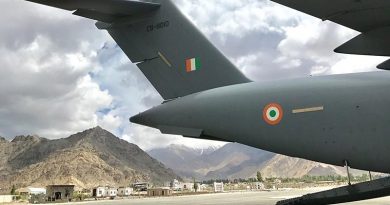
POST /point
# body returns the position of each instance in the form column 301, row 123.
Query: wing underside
column 370, row 17
column 102, row 10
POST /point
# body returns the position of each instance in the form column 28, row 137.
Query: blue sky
column 61, row 75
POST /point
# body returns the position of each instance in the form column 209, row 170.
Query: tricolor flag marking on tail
column 192, row 64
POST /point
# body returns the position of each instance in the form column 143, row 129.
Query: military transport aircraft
column 341, row 119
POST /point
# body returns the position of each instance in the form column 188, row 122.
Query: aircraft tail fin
column 175, row 56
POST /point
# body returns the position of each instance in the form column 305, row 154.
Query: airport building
column 218, row 187
column 188, row 187
column 105, row 191
column 60, row 192
column 112, row 192
column 141, row 186
column 28, row 191
column 99, row 192
column 257, row 186
column 6, row 198
column 176, row 185
column 163, row 191
column 125, row 191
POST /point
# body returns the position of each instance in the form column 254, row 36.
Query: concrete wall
column 5, row 198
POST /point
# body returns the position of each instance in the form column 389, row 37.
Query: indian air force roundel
column 273, row 113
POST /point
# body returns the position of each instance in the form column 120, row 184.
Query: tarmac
column 240, row 198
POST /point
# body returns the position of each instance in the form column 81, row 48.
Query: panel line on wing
column 311, row 109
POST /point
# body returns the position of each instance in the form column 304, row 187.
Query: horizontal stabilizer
column 102, row 10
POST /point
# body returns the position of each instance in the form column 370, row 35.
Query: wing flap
column 385, row 65
column 360, row 15
column 102, row 10
column 91, row 14
column 370, row 17
column 374, row 42
column 190, row 132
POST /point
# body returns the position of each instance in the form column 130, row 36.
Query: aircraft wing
column 102, row 10
column 370, row 17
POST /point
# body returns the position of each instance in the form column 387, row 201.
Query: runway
column 242, row 198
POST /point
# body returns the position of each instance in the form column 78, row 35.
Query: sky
column 60, row 75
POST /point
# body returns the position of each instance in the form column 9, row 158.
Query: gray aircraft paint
column 161, row 44
column 353, row 124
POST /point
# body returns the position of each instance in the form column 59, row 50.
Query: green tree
column 259, row 177
column 13, row 190
column 195, row 185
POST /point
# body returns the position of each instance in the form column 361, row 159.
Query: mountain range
column 96, row 157
column 234, row 161
column 86, row 159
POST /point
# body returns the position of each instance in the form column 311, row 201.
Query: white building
column 125, row 191
column 175, row 185
column 258, row 186
column 187, row 186
column 111, row 192
column 31, row 191
column 104, row 191
column 203, row 187
column 99, row 192
column 218, row 187
column 6, row 198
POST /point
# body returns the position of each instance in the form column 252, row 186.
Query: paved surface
column 242, row 198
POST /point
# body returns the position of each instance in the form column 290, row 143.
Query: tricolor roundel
column 273, row 113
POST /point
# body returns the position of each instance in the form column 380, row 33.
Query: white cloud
column 314, row 40
column 237, row 17
column 355, row 64
column 110, row 122
column 45, row 86
column 288, row 63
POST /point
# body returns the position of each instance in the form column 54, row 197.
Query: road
column 242, row 198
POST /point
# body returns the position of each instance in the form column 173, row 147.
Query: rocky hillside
column 87, row 159
column 177, row 155
column 283, row 166
column 234, row 161
column 230, row 161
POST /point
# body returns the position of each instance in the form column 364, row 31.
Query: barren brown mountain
column 234, row 161
column 87, row 159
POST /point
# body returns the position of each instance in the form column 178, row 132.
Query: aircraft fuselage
column 328, row 119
